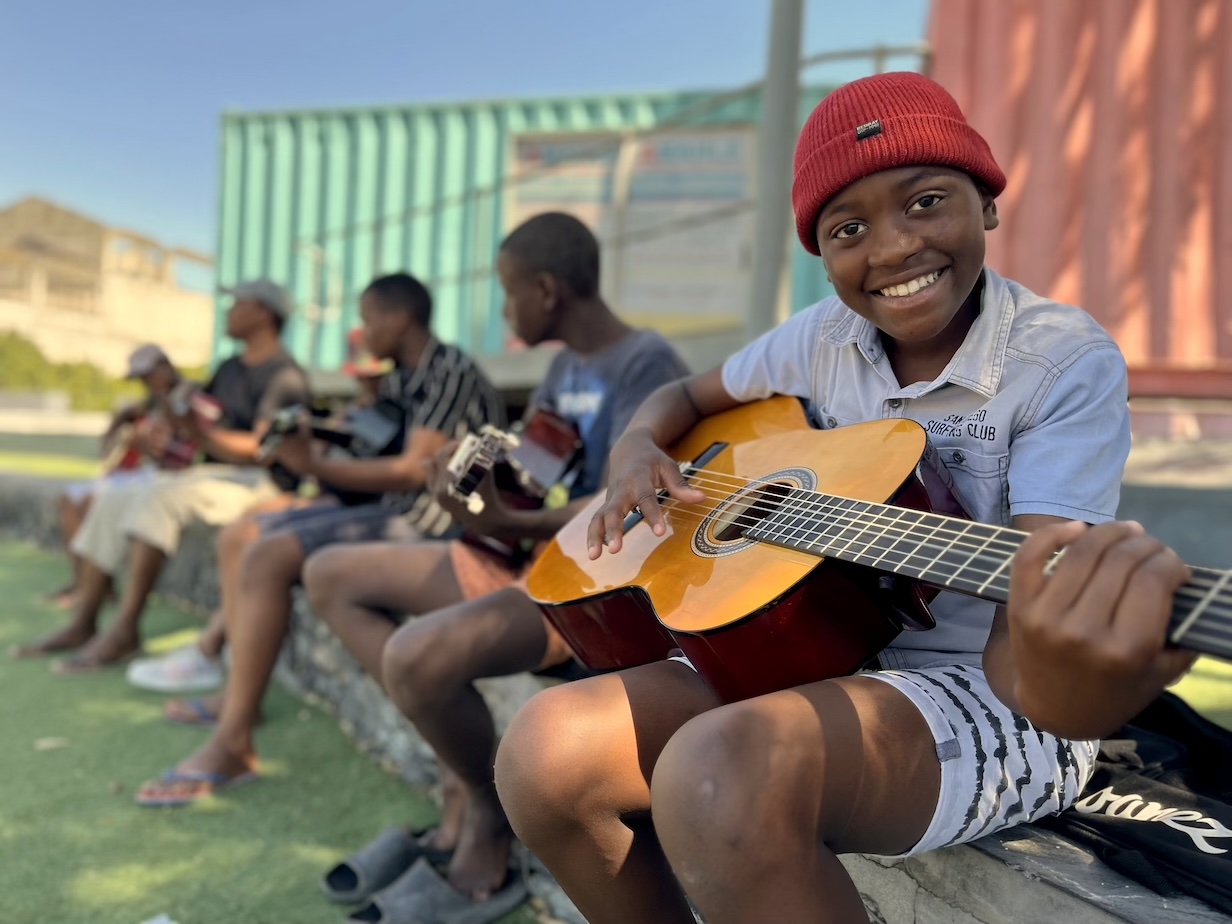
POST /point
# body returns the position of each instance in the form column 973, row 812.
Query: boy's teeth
column 910, row 288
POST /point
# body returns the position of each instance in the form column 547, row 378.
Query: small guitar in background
column 528, row 466
column 130, row 445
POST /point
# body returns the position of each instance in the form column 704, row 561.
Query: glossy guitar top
column 703, row 574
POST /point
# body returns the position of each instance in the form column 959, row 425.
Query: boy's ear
column 547, row 286
column 990, row 211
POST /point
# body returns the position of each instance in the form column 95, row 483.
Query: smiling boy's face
column 905, row 247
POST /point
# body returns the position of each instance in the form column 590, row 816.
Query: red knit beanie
column 878, row 123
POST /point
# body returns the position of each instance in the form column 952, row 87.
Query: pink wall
column 1113, row 122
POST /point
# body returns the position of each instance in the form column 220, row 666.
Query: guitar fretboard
column 963, row 556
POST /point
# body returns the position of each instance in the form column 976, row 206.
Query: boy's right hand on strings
column 1089, row 640
column 637, row 471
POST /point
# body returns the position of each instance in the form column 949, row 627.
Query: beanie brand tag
column 868, row 130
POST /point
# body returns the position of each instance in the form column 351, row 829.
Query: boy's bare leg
column 353, row 587
column 754, row 801
column 123, row 636
column 92, row 593
column 574, row 774
column 270, row 569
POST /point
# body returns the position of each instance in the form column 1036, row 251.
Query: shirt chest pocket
column 980, row 482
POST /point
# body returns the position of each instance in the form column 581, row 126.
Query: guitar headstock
column 475, row 457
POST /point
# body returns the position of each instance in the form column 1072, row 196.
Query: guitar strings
column 816, row 502
column 1196, row 587
column 846, row 519
column 816, row 498
column 1215, row 616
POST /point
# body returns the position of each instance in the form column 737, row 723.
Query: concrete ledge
column 1022, row 876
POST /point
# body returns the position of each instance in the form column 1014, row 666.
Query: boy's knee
column 548, row 769
column 272, row 558
column 234, row 537
column 725, row 776
column 415, row 667
column 326, row 575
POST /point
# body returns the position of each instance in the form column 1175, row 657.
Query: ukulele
column 122, row 452
column 813, row 550
column 527, row 464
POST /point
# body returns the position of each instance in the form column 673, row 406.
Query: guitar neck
column 963, row 556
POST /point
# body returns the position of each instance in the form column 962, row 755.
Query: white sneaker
column 184, row 670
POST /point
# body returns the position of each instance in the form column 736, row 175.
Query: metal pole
column 775, row 144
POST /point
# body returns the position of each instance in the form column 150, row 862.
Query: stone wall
column 1023, row 876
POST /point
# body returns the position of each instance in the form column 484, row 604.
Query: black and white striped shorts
column 997, row 769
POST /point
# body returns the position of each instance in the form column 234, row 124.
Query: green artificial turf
column 48, row 465
column 75, row 849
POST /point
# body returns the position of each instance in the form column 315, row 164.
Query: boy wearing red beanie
column 1025, row 404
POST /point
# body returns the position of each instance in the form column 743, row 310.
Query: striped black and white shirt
column 447, row 392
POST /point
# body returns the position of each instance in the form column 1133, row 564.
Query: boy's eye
column 926, row 201
column 850, row 229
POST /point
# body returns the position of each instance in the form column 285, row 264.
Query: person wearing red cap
column 1025, row 404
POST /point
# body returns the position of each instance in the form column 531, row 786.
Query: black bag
column 1159, row 807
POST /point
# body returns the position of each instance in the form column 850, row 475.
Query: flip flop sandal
column 202, row 715
column 423, row 896
column 374, row 866
column 207, row 784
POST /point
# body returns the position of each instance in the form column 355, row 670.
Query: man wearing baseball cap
column 129, row 455
column 142, row 524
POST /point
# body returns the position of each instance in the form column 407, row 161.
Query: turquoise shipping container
column 324, row 200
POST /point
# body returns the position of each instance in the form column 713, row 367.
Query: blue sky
column 112, row 106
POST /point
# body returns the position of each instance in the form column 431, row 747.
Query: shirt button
column 831, row 422
column 959, row 457
column 895, row 402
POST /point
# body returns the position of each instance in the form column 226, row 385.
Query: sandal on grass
column 423, row 896
column 196, row 713
column 377, row 864
column 177, row 788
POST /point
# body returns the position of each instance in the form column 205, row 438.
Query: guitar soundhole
column 746, row 509
column 722, row 532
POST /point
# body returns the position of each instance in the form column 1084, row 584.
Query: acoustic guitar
column 813, row 550
column 527, row 464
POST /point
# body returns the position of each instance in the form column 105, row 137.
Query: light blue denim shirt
column 1030, row 416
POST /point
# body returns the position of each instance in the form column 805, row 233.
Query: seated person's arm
column 126, row 415
column 999, row 666
column 536, row 525
column 1064, row 465
column 241, row 447
column 407, row 471
column 639, row 468
column 1082, row 651
column 665, row 415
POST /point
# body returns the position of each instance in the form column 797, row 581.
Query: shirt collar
column 980, row 360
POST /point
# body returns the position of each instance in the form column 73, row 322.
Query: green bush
column 23, row 367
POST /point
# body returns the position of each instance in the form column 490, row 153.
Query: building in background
column 85, row 292
column 1113, row 122
column 325, row 200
